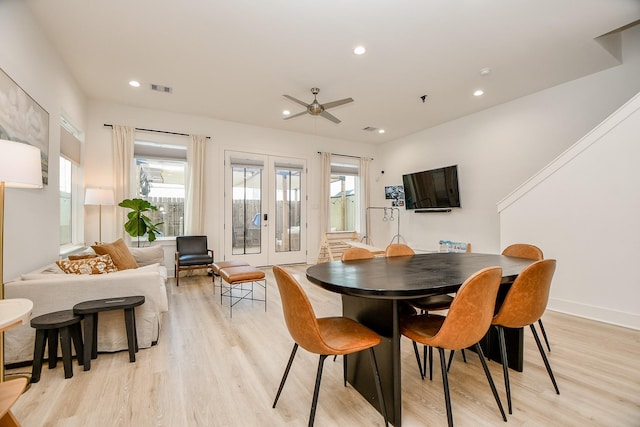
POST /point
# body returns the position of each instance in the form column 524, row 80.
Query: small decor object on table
column 90, row 309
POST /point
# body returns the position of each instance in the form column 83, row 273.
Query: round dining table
column 374, row 292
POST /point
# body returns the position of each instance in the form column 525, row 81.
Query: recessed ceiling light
column 380, row 130
column 134, row 83
column 286, row 112
column 359, row 50
column 478, row 92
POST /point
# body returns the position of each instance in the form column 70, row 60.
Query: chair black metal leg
column 430, row 363
column 316, row 390
column 345, row 360
column 544, row 358
column 544, row 334
column 464, row 357
column 445, row 384
column 493, row 386
column 286, row 372
column 451, row 353
column 376, row 374
column 505, row 365
column 415, row 350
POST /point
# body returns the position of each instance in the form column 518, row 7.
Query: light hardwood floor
column 210, row 370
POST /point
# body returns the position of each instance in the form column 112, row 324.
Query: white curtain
column 365, row 164
column 123, row 140
column 325, row 191
column 195, row 197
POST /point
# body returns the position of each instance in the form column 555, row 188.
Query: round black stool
column 47, row 327
column 89, row 311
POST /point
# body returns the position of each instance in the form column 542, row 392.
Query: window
column 160, row 179
column 70, row 188
column 66, row 206
column 344, row 205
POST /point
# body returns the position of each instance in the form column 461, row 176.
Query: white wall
column 224, row 136
column 32, row 229
column 497, row 149
column 583, row 209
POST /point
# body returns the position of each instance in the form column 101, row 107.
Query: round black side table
column 90, row 309
column 64, row 323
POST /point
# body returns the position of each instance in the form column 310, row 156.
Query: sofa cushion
column 148, row 255
column 98, row 265
column 119, row 252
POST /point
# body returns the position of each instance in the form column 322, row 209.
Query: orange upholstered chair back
column 352, row 254
column 527, row 298
column 398, row 249
column 523, row 250
column 299, row 316
column 469, row 316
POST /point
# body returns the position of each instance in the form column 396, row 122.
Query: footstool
column 217, row 266
column 48, row 326
column 90, row 309
column 237, row 277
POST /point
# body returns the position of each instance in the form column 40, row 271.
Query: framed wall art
column 22, row 119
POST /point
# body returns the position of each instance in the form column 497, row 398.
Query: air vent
column 160, row 88
column 370, row 129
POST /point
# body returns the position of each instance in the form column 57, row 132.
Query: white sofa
column 51, row 290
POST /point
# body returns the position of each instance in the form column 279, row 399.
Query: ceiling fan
column 317, row 109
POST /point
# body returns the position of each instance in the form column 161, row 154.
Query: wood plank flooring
column 210, row 370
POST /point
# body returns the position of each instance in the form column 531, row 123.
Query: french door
column 265, row 209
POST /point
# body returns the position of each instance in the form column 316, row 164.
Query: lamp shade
column 20, row 165
column 98, row 196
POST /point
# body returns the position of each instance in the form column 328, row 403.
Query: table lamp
column 99, row 196
column 20, row 167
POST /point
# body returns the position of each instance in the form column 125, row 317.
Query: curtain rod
column 157, row 131
column 345, row 155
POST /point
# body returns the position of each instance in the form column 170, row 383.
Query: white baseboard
column 600, row 314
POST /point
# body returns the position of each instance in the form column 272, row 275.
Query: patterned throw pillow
column 98, row 265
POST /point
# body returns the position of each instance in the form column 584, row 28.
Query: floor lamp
column 19, row 168
column 99, row 196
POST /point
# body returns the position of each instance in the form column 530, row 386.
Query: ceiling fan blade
column 296, row 100
column 329, row 116
column 336, row 103
column 295, row 115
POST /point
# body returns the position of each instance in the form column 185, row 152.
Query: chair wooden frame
column 204, row 261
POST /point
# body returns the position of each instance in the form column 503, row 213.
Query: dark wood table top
column 107, row 304
column 409, row 276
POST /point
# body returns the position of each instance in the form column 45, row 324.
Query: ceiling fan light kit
column 317, row 109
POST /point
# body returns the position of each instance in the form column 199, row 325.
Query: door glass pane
column 246, row 210
column 288, row 190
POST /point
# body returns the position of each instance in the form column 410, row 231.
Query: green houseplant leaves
column 139, row 224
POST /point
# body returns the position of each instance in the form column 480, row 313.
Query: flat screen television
column 432, row 189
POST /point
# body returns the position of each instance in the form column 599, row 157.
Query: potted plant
column 139, row 224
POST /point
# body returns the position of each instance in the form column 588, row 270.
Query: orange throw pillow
column 96, row 265
column 119, row 252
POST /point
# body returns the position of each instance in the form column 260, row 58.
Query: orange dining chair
column 523, row 250
column 467, row 321
column 323, row 336
column 523, row 305
column 424, row 305
column 352, row 254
